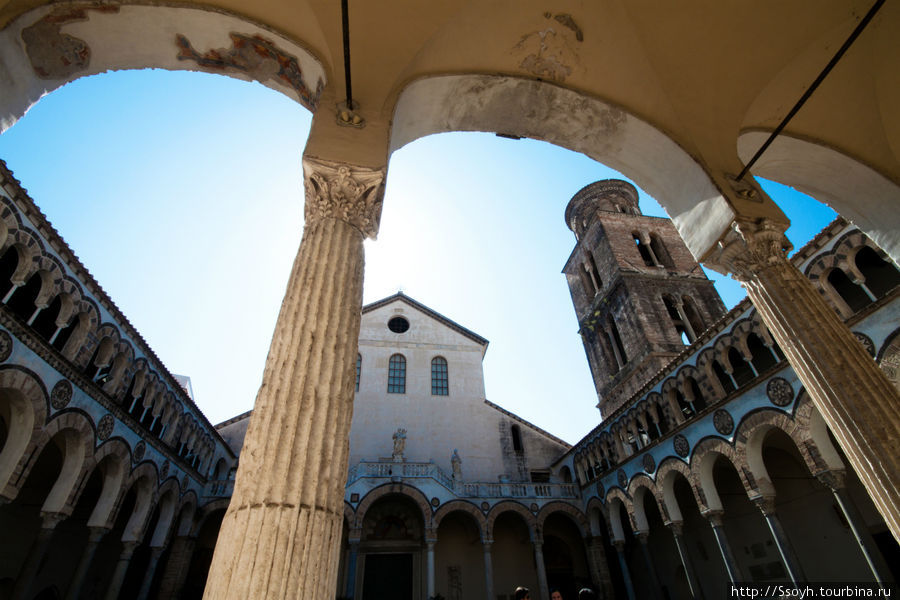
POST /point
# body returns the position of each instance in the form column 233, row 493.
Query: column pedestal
column 280, row 538
column 825, row 355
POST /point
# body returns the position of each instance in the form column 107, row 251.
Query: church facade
column 709, row 463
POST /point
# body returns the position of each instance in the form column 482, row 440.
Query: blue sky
column 182, row 193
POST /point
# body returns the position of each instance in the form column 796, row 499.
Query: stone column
column 677, row 529
column 350, row 590
column 599, row 567
column 541, row 569
column 429, row 581
column 731, row 567
column 35, row 555
column 177, row 566
column 488, row 569
column 281, row 535
column 118, row 577
column 856, row 399
column 643, row 537
column 155, row 553
column 766, row 505
column 836, row 482
column 623, row 564
column 84, row 563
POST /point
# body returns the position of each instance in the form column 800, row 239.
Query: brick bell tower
column 638, row 293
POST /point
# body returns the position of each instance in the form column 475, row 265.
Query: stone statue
column 399, row 443
column 456, row 462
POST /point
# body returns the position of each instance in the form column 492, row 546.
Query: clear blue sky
column 182, row 194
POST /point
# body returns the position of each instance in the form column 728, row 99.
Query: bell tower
column 639, row 295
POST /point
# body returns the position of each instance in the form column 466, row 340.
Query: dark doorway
column 388, row 577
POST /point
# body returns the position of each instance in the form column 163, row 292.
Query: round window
column 398, row 325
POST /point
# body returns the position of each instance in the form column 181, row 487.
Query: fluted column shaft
column 87, row 556
column 280, row 538
column 429, row 582
column 677, row 530
column 854, row 396
column 488, row 570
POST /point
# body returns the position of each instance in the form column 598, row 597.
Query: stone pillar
column 429, row 581
column 35, row 555
column 825, row 355
column 280, row 538
column 731, row 567
column 623, row 564
column 84, row 563
column 766, row 505
column 642, row 537
column 177, row 567
column 599, row 567
column 677, row 529
column 488, row 569
column 836, row 482
column 155, row 553
column 350, row 590
column 541, row 569
column 118, row 577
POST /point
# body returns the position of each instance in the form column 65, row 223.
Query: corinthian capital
column 350, row 193
column 750, row 246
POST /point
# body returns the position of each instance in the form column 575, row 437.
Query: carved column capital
column 715, row 517
column 643, row 536
column 677, row 527
column 835, row 479
column 349, row 193
column 751, row 246
column 766, row 504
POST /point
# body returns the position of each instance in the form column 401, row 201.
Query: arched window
column 9, row 262
column 659, row 251
column 762, row 358
column 723, row 377
column 45, row 323
column 439, row 380
column 358, row 369
column 594, row 272
column 740, row 368
column 619, row 347
column 22, row 300
column 397, row 375
column 692, row 315
column 643, row 250
column 855, row 297
column 678, row 321
column 881, row 276
column 517, row 439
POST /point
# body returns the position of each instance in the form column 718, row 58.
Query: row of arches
column 730, row 363
column 80, row 519
column 458, row 549
column 780, row 504
column 35, row 287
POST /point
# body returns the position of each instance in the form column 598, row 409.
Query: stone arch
column 113, row 457
column 855, row 190
column 514, row 507
column 749, row 438
column 596, row 515
column 187, row 511
column 640, row 485
column 76, row 435
column 669, row 469
column 28, row 246
column 24, row 405
column 461, row 506
column 389, row 489
column 144, row 481
column 572, row 513
column 889, row 357
column 810, row 421
column 616, row 502
column 213, row 41
column 167, row 499
column 206, row 511
column 10, row 220
column 702, row 462
column 349, row 514
column 548, row 112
